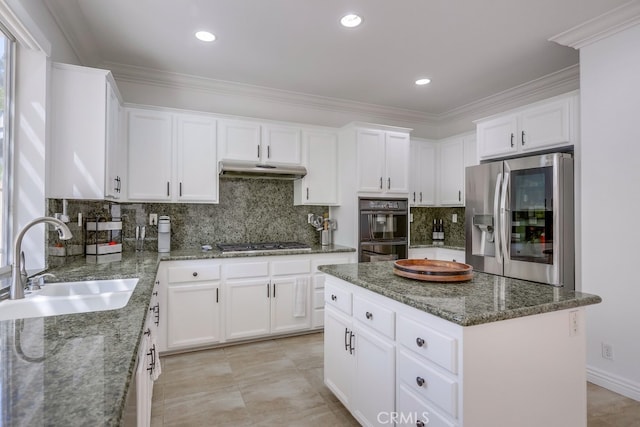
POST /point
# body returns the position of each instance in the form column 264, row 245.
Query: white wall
column 29, row 151
column 610, row 194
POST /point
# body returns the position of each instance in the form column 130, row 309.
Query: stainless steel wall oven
column 384, row 229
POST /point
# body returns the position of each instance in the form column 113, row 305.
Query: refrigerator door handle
column 496, row 213
column 503, row 217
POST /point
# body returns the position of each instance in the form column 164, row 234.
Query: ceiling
column 470, row 49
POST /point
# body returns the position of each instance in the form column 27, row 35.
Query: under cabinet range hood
column 247, row 169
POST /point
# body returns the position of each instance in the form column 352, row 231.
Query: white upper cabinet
column 452, row 172
column 263, row 143
column 455, row 154
column 150, row 138
column 540, row 126
column 281, row 144
column 422, row 185
column 172, row 157
column 84, row 160
column 383, row 159
column 196, row 167
column 320, row 157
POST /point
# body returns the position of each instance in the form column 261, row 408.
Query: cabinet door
column 497, row 137
column 425, row 164
column 76, row 161
column 396, row 158
column 193, row 314
column 150, row 153
column 197, row 171
column 281, row 144
column 290, row 309
column 239, row 140
column 320, row 185
column 114, row 159
column 247, row 308
column 546, row 126
column 370, row 147
column 452, row 172
column 339, row 362
column 375, row 381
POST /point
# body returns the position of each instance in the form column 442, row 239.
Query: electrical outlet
column 309, row 218
column 153, row 219
column 607, row 351
column 573, row 323
column 411, row 217
column 454, row 218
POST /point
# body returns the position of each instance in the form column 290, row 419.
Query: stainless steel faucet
column 18, row 270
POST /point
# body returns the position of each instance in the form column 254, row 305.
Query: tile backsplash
column 422, row 225
column 249, row 210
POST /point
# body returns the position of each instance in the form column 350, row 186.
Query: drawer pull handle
column 419, row 342
column 420, row 423
column 195, row 274
column 368, row 315
column 420, row 381
column 333, row 297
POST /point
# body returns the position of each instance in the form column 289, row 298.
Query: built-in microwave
column 383, row 229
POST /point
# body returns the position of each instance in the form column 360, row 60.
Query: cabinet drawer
column 338, row 298
column 425, row 382
column 298, row 266
column 426, row 342
column 375, row 316
column 193, row 273
column 246, row 269
column 412, row 410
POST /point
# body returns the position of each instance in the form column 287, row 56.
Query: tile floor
column 279, row 383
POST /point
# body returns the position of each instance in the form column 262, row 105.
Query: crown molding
column 600, row 27
column 68, row 16
column 143, row 75
column 553, row 84
column 15, row 18
column 547, row 86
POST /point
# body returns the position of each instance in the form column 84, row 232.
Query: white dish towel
column 300, row 301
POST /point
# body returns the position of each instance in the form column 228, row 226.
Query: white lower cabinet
column 211, row 301
column 193, row 304
column 359, row 355
column 274, row 300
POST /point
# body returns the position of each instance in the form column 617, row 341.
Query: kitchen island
column 76, row 369
column 490, row 351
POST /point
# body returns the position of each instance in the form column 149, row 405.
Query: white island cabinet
column 390, row 363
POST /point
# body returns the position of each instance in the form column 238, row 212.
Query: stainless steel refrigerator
column 520, row 218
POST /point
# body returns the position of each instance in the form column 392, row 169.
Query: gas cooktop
column 260, row 247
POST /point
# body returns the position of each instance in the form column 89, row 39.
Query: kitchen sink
column 70, row 297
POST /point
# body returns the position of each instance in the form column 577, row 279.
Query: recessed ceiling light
column 351, row 20
column 422, row 82
column 205, row 36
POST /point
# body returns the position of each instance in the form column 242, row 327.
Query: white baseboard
column 614, row 383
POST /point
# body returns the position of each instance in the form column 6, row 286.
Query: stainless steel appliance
column 520, row 218
column 261, row 247
column 384, row 229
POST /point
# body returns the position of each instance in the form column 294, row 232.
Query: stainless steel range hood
column 246, row 169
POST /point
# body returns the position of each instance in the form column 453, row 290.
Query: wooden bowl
column 430, row 270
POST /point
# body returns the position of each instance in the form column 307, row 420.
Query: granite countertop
column 486, row 298
column 417, row 244
column 76, row 369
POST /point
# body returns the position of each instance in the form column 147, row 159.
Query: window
column 6, row 86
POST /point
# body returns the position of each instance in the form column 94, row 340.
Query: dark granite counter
column 416, row 245
column 75, row 370
column 486, row 298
